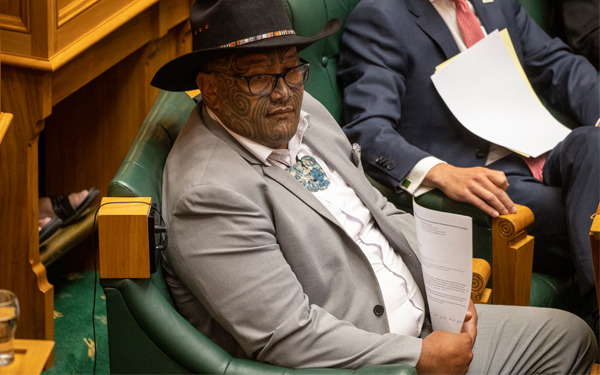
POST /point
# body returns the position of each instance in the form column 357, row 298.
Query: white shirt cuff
column 598, row 123
column 412, row 181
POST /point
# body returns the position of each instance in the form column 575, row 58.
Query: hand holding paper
column 470, row 323
column 445, row 353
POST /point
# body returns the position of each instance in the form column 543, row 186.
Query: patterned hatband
column 258, row 37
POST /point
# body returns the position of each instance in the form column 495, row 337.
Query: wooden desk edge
column 35, row 355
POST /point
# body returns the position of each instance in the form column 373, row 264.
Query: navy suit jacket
column 390, row 49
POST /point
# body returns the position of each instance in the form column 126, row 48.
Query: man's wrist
column 413, row 182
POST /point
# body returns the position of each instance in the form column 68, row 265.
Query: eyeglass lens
column 265, row 84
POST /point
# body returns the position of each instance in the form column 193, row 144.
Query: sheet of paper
column 446, row 248
column 515, row 59
column 490, row 97
column 513, row 56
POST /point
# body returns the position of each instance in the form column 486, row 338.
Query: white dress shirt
column 403, row 300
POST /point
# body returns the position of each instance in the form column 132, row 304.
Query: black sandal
column 67, row 213
column 50, row 228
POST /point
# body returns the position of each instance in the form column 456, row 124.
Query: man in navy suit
column 411, row 141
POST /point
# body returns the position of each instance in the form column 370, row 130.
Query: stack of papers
column 487, row 90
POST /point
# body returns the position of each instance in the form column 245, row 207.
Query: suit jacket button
column 479, row 153
column 390, row 166
column 378, row 310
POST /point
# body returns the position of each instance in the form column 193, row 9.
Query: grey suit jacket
column 260, row 266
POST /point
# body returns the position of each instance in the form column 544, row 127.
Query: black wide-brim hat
column 221, row 26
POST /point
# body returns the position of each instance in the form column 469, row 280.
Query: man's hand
column 470, row 323
column 448, row 353
column 445, row 353
column 482, row 187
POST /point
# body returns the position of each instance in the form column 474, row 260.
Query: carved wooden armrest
column 595, row 247
column 512, row 258
column 481, row 274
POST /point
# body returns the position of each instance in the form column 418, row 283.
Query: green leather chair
column 146, row 334
column 307, row 17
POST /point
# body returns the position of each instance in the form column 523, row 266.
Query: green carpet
column 73, row 333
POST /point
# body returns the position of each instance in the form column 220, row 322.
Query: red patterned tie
column 536, row 165
column 469, row 24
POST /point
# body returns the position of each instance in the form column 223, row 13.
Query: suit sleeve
column 372, row 62
column 566, row 81
column 225, row 251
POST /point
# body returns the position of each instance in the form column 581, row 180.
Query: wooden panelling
column 108, row 14
column 14, row 23
column 13, row 7
column 105, row 54
column 14, row 15
column 104, row 119
column 69, row 9
column 43, row 32
column 171, row 11
column 5, row 120
column 21, row 269
column 61, row 29
column 108, row 122
column 15, row 42
column 103, row 32
column 91, row 96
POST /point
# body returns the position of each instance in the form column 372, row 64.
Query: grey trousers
column 530, row 340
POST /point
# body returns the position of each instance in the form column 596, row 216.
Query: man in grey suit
column 281, row 251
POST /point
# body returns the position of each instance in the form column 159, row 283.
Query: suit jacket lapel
column 429, row 20
column 218, row 130
column 273, row 172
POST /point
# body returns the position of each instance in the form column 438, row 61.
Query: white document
column 486, row 93
column 446, row 247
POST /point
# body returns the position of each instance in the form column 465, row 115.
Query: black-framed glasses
column 265, row 83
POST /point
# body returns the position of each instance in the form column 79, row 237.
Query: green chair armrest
column 241, row 366
column 550, row 291
column 435, row 200
column 438, row 201
column 178, row 340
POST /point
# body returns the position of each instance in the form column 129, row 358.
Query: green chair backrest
column 541, row 11
column 308, row 17
column 140, row 174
